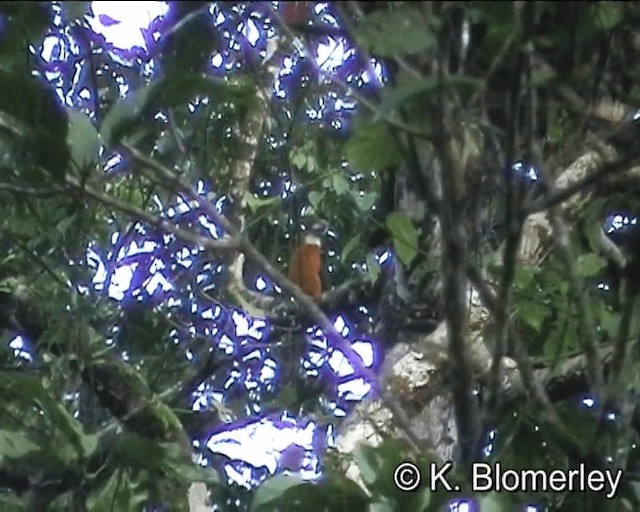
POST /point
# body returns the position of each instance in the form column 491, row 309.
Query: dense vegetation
column 477, row 163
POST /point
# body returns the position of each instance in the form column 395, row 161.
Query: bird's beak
column 319, row 228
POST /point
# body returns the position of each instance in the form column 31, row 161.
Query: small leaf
column 403, row 92
column 349, row 247
column 256, row 203
column 365, row 202
column 494, row 502
column 107, row 21
column 73, row 9
column 606, row 15
column 372, row 147
column 382, row 506
column 609, row 323
column 124, row 113
column 299, row 160
column 369, row 463
column 83, row 139
column 523, row 278
column 16, row 445
column 311, row 164
column 405, row 236
column 170, row 91
column 590, row 265
column 315, row 198
column 401, row 31
column 273, row 489
column 373, row 268
column 533, row 314
column 339, row 184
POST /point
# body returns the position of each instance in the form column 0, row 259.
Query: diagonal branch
column 153, row 220
column 601, row 170
column 176, row 184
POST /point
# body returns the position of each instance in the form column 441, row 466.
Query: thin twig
column 396, row 123
column 604, row 170
column 155, row 221
column 176, row 184
column 33, row 191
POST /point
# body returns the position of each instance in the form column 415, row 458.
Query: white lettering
column 613, row 484
column 476, row 475
column 538, row 479
column 557, row 481
column 504, row 479
column 439, row 475
column 487, row 477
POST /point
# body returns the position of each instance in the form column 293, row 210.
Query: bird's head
column 314, row 232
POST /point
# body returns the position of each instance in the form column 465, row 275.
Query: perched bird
column 305, row 264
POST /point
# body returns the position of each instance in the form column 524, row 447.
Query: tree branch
column 176, row 184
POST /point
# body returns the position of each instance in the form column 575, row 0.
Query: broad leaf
column 273, row 489
column 400, row 31
column 83, row 139
column 405, row 236
column 590, row 265
column 369, row 463
column 371, row 147
column 166, row 93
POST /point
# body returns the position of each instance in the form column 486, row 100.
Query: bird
column 305, row 263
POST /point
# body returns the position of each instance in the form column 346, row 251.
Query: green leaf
column 382, row 506
column 15, row 444
column 609, row 322
column 339, row 184
column 273, row 489
column 541, row 77
column 494, row 502
column 299, row 160
column 136, row 451
column 369, row 463
column 349, row 247
column 315, row 199
column 366, row 201
column 533, row 313
column 24, row 23
column 190, row 472
column 73, row 9
column 400, row 31
column 83, row 138
column 371, row 147
column 125, row 113
column 34, row 103
column 606, row 15
column 311, row 164
column 421, row 499
column 523, row 277
column 405, row 236
column 403, row 92
column 167, row 92
column 255, row 203
column 119, row 493
column 373, row 268
column 590, row 265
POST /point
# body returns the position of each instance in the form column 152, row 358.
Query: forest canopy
column 269, row 255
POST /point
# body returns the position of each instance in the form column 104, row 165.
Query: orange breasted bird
column 305, row 264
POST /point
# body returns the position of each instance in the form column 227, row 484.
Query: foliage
column 108, row 392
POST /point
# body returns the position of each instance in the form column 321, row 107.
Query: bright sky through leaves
column 259, row 442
